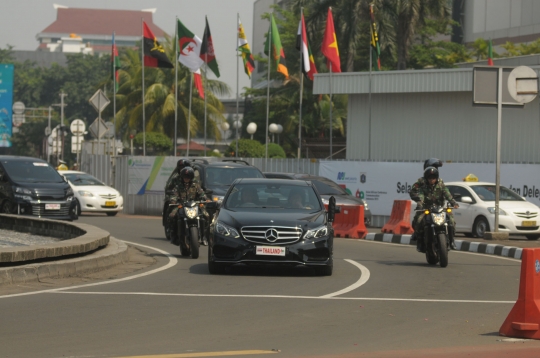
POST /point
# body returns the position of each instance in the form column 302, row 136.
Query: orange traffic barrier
column 523, row 321
column 350, row 222
column 400, row 218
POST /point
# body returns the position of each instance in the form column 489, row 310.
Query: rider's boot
column 420, row 246
column 451, row 239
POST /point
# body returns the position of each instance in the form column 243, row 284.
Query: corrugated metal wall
column 414, row 126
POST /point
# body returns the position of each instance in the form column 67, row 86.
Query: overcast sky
column 22, row 20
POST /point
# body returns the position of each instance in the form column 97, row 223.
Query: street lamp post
column 273, row 128
column 251, row 129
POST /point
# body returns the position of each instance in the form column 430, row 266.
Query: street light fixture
column 251, row 128
column 273, row 128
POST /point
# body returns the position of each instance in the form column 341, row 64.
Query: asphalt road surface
column 383, row 300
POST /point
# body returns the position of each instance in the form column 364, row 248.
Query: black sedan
column 272, row 222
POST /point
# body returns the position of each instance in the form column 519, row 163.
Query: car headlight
column 325, row 201
column 317, row 232
column 69, row 192
column 85, row 193
column 20, row 190
column 191, row 212
column 226, row 230
column 23, row 197
column 438, row 218
column 492, row 211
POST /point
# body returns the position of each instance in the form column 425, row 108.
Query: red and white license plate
column 52, row 206
column 270, row 250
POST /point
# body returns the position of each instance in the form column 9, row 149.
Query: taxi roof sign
column 470, row 177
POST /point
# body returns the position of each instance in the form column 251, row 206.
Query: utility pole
column 61, row 105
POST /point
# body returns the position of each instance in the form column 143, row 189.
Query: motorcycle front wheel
column 443, row 250
column 431, row 253
column 194, row 242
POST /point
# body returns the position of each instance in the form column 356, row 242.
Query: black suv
column 216, row 178
column 327, row 188
column 30, row 186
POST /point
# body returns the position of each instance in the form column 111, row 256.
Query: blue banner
column 6, row 104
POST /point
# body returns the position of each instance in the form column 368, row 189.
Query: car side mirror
column 331, row 209
column 466, row 199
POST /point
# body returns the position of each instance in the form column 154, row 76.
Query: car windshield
column 487, row 193
column 31, row 172
column 289, row 197
column 82, row 179
column 225, row 176
column 328, row 187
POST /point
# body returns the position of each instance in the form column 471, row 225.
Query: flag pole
column 143, row 112
column 330, row 110
column 369, row 100
column 114, row 97
column 268, row 90
column 205, row 95
column 301, row 89
column 176, row 86
column 189, row 118
column 237, row 79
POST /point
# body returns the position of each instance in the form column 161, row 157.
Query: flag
column 190, row 48
column 198, row 82
column 375, row 39
column 207, row 50
column 154, row 54
column 490, row 54
column 308, row 64
column 277, row 53
column 330, row 47
column 243, row 47
column 115, row 65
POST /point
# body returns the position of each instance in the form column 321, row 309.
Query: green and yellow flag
column 277, row 53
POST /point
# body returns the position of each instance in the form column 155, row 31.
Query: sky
column 22, row 20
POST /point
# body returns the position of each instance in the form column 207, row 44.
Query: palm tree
column 159, row 98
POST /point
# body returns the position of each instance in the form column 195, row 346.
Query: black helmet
column 187, row 172
column 182, row 163
column 431, row 172
column 432, row 162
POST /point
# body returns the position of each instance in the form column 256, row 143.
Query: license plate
column 52, row 206
column 528, row 223
column 110, row 203
column 270, row 250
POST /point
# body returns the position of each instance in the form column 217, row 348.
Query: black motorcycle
column 437, row 228
column 190, row 229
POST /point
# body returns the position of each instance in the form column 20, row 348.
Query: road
column 382, row 300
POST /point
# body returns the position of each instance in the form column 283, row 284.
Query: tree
column 247, row 148
column 158, row 143
column 275, row 151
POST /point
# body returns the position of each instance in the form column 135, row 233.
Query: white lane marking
column 172, row 261
column 283, row 296
column 364, row 277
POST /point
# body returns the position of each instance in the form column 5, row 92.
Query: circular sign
column 523, row 84
column 77, row 126
column 47, row 131
column 18, row 108
column 110, row 130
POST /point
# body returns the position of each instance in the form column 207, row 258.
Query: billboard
column 6, row 104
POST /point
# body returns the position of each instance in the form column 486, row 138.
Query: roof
column 101, row 22
column 272, row 181
column 19, row 158
column 193, row 146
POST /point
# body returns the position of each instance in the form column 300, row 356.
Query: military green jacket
column 421, row 191
column 193, row 192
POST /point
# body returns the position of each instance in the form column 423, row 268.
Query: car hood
column 277, row 217
column 515, row 206
column 95, row 189
column 344, row 199
column 219, row 190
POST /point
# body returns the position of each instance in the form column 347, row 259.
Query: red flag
column 330, row 47
column 198, row 82
column 308, row 63
column 154, row 54
column 490, row 54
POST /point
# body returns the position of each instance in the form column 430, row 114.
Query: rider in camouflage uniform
column 186, row 189
column 428, row 191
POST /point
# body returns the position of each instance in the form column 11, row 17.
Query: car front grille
column 50, row 194
column 108, row 196
column 271, row 235
column 526, row 215
column 39, row 210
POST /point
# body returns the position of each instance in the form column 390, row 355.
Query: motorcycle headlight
column 438, row 218
column 85, row 193
column 217, row 198
column 317, row 232
column 492, row 211
column 191, row 212
column 226, row 230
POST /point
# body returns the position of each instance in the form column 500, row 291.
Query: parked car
column 272, row 222
column 92, row 195
column 476, row 213
column 327, row 188
column 215, row 178
column 31, row 186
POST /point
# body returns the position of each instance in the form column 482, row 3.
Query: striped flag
column 375, row 39
column 115, row 65
column 308, row 63
column 277, row 54
column 243, row 47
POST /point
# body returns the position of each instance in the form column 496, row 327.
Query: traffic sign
column 110, row 131
column 523, row 84
column 98, row 128
column 77, row 126
column 18, row 108
column 18, row 119
column 76, row 143
column 99, row 101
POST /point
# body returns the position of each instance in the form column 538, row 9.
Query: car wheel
column 79, row 211
column 112, row 213
column 7, row 207
column 480, row 227
column 532, row 237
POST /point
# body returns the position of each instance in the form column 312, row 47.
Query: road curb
column 462, row 245
column 115, row 253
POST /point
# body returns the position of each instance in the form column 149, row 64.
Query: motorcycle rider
column 173, row 182
column 428, row 191
column 185, row 190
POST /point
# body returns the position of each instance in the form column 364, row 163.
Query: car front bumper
column 514, row 225
column 97, row 204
